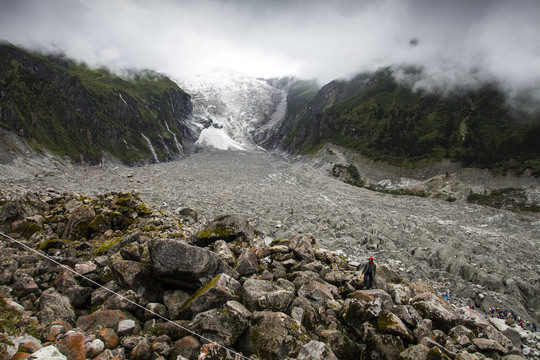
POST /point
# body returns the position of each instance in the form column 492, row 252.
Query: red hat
column 370, row 258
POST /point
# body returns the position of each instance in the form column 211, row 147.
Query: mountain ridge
column 87, row 114
column 381, row 118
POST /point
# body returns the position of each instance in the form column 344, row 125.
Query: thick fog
column 458, row 42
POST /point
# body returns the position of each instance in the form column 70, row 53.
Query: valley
column 485, row 256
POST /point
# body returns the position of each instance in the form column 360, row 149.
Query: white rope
column 237, row 355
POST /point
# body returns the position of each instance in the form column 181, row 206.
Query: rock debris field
column 484, row 257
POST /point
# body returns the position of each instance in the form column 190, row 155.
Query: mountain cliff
column 87, row 114
column 383, row 119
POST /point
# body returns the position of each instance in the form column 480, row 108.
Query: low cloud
column 456, row 43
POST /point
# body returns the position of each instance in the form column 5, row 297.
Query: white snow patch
column 218, row 139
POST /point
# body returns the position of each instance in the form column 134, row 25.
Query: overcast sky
column 457, row 41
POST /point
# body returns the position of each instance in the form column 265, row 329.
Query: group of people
column 509, row 314
column 369, row 270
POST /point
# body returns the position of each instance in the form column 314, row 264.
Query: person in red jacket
column 369, row 271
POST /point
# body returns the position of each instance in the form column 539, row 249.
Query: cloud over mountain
column 456, row 43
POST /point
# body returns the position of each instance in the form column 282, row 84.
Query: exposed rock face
column 88, row 116
column 298, row 301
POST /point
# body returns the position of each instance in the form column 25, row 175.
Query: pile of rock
column 154, row 286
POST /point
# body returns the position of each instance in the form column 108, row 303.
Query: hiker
column 369, row 272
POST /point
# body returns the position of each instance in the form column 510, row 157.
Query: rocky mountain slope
column 228, row 292
column 89, row 115
column 383, row 119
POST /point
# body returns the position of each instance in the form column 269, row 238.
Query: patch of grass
column 509, row 198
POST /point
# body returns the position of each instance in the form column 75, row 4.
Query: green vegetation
column 384, row 120
column 14, row 323
column 79, row 112
column 509, row 199
column 348, row 174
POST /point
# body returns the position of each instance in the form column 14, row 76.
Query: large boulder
column 227, row 228
column 174, row 301
column 247, row 264
column 54, row 306
column 273, row 335
column 380, row 346
column 181, row 265
column 77, row 227
column 21, row 207
column 389, row 323
column 340, row 344
column 224, row 325
column 212, row 295
column 137, row 277
column 433, row 307
column 267, row 295
column 303, row 246
column 355, row 313
column 318, row 292
column 72, row 345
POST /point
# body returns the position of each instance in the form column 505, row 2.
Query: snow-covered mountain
column 229, row 106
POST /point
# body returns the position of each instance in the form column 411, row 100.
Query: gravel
column 488, row 257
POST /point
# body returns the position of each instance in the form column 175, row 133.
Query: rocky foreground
column 222, row 286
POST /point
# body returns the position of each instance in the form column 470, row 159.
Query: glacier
column 229, row 107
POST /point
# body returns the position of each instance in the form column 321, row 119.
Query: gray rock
column 174, row 300
column 126, row 327
column 389, row 323
column 78, row 295
column 137, row 277
column 25, row 285
column 54, row 306
column 416, row 352
column 267, row 295
column 48, row 353
column 224, row 325
column 302, row 246
column 224, row 252
column 430, row 306
column 215, row 293
column 340, row 344
column 273, row 335
column 384, row 346
column 318, row 292
column 247, row 263
column 94, row 348
column 316, row 350
column 181, row 265
column 77, row 226
column 227, row 228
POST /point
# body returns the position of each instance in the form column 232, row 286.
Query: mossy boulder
column 273, row 335
column 77, row 227
column 389, row 323
column 99, row 224
column 213, row 294
column 224, row 325
column 227, row 228
column 29, row 228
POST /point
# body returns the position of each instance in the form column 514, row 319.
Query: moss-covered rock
column 99, row 224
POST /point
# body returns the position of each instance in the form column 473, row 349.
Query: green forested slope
column 385, row 120
column 82, row 113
